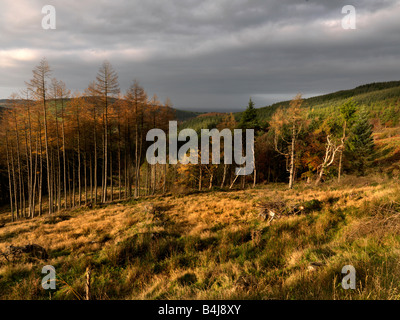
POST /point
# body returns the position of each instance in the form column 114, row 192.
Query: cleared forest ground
column 214, row 245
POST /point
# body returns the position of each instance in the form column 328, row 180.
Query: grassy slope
column 213, row 245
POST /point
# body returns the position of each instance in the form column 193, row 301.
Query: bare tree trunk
column 341, row 151
column 64, row 151
column 53, row 181
column 73, row 182
column 126, row 183
column 95, row 156
column 20, row 185
column 105, row 150
column 58, row 165
column 28, row 169
column 224, row 176
column 48, row 169
column 291, row 169
column 40, row 173
column 30, row 161
column 103, row 170
column 165, row 178
column 88, row 279
column 91, row 178
column 17, row 205
column 147, row 184
column 35, row 179
column 254, row 168
column 85, row 166
column 69, row 185
column 79, row 163
column 330, row 153
column 200, row 178
column 154, row 179
column 211, row 180
column 234, row 180
column 111, row 169
column 9, row 179
column 85, row 176
column 136, row 153
column 119, row 160
column 340, row 165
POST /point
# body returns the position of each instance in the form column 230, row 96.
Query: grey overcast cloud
column 205, row 54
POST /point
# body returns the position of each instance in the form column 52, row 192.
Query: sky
column 205, row 55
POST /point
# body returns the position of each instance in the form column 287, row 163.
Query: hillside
column 182, row 115
column 381, row 99
column 214, row 246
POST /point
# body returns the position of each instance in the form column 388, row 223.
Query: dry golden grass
column 214, row 246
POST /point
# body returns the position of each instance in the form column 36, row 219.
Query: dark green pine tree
column 249, row 118
column 361, row 144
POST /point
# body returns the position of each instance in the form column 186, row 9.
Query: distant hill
column 4, row 103
column 374, row 96
column 382, row 99
column 182, row 115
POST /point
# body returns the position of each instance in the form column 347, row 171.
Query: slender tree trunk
column 91, row 178
column 291, row 169
column 73, row 182
column 95, row 156
column 69, row 185
column 165, row 178
column 105, row 149
column 28, row 175
column 30, row 161
column 200, row 177
column 85, row 176
column 35, row 179
column 137, row 183
column 340, row 165
column 17, row 205
column 79, row 163
column 41, row 172
column 111, row 167
column 153, row 191
column 119, row 160
column 64, row 151
column 254, row 168
column 58, row 165
column 48, row 169
column 224, row 176
column 9, row 180
column 20, row 186
column 102, row 169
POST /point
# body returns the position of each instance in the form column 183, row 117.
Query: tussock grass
column 214, row 246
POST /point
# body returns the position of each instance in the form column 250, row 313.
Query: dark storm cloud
column 205, row 54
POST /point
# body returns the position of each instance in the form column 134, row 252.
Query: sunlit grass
column 214, row 246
